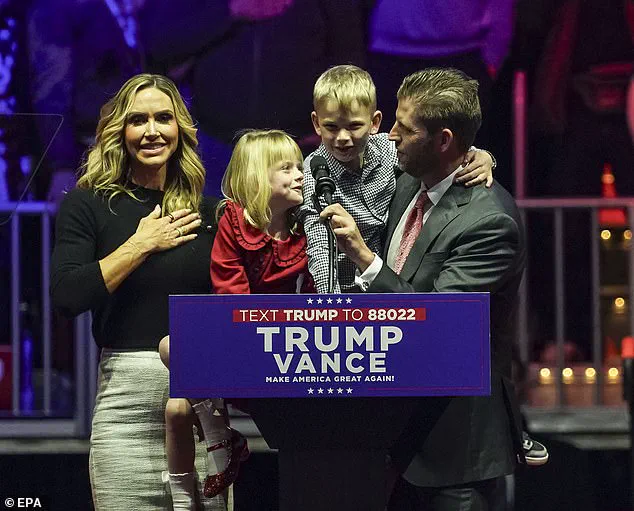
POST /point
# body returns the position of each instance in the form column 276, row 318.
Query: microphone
column 324, row 184
column 325, row 187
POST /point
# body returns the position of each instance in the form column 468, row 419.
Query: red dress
column 245, row 260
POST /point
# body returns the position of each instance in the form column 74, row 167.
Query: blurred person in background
column 80, row 53
column 405, row 36
column 580, row 94
column 250, row 63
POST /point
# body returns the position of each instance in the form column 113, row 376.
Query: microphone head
column 317, row 164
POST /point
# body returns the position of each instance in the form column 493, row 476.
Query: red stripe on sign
column 329, row 315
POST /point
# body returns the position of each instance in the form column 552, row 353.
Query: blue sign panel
column 419, row 344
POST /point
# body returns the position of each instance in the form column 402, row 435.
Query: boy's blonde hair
column 246, row 180
column 345, row 84
column 445, row 98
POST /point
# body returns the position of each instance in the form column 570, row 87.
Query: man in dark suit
column 443, row 237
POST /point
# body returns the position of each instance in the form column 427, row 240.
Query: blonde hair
column 106, row 168
column 345, row 84
column 445, row 98
column 246, row 180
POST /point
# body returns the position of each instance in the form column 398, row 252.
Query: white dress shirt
column 435, row 193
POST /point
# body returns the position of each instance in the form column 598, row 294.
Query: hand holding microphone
column 341, row 223
column 348, row 235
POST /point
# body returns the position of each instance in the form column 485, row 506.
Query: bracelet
column 135, row 247
column 494, row 162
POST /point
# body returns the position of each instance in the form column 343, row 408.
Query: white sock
column 211, row 414
column 182, row 487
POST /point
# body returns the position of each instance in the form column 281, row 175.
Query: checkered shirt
column 366, row 196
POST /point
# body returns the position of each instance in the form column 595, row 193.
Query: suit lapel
column 406, row 188
column 443, row 213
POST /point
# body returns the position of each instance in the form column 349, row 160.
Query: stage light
column 591, row 373
column 613, row 374
column 568, row 375
column 619, row 302
column 627, row 234
column 545, row 376
column 606, row 234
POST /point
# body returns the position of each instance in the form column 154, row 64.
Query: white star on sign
column 309, row 300
column 311, row 391
column 339, row 390
column 348, row 300
column 320, row 391
column 319, row 300
column 349, row 390
column 329, row 391
column 329, row 300
column 339, row 300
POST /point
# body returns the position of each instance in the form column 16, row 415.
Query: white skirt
column 127, row 444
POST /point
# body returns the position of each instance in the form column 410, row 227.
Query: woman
column 135, row 230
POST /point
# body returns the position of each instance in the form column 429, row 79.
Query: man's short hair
column 345, row 84
column 445, row 98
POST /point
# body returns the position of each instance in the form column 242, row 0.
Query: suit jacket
column 472, row 241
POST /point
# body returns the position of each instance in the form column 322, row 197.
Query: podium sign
column 314, row 346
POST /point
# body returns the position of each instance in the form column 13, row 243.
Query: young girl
column 259, row 248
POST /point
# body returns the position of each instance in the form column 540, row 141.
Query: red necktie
column 413, row 226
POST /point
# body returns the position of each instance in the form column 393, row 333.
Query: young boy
column 363, row 165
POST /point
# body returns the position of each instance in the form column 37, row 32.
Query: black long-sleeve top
column 135, row 315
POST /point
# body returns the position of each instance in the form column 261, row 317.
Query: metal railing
column 556, row 207
column 44, row 420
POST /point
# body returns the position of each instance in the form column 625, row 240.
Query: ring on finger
column 171, row 217
column 180, row 231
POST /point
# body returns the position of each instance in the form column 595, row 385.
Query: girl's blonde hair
column 107, row 166
column 246, row 180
